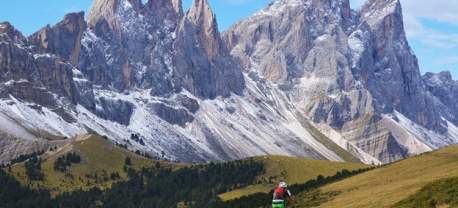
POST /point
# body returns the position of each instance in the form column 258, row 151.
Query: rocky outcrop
column 170, row 62
column 316, row 67
column 445, row 91
column 196, row 95
column 63, row 39
column 103, row 11
column 202, row 17
column 115, row 110
column 395, row 67
column 172, row 115
column 33, row 77
column 344, row 66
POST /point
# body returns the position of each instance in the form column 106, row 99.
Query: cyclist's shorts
column 278, row 203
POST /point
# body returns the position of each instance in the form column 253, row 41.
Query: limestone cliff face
column 33, row 77
column 103, row 11
column 153, row 46
column 195, row 95
column 445, row 92
column 202, row 17
column 124, row 46
column 38, row 81
column 340, row 67
column 303, row 46
column 63, row 39
column 395, row 67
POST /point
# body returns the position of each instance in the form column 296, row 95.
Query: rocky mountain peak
column 200, row 12
column 11, row 34
column 396, row 66
column 374, row 11
column 63, row 39
column 163, row 9
column 103, row 10
column 204, row 20
column 380, row 4
column 294, row 68
column 330, row 12
column 443, row 87
column 439, row 78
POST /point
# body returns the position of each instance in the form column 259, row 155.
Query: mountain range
column 307, row 78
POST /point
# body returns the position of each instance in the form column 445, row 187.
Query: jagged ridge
column 196, row 95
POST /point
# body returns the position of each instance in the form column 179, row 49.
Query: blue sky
column 431, row 26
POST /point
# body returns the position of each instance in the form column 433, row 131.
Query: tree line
column 22, row 158
column 193, row 186
column 33, row 169
column 265, row 199
column 66, row 160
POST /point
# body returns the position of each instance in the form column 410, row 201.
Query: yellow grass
column 98, row 157
column 385, row 186
column 291, row 170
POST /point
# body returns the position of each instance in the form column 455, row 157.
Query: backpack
column 280, row 193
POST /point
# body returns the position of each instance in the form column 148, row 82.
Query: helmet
column 283, row 184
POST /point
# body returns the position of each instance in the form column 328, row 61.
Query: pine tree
column 127, row 161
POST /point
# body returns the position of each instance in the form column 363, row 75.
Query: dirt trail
column 82, row 137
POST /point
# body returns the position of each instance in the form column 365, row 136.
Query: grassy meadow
column 387, row 185
column 291, row 170
column 99, row 158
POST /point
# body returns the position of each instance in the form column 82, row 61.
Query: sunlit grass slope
column 291, row 170
column 387, row 185
column 99, row 158
column 439, row 193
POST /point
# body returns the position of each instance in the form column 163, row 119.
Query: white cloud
column 439, row 40
column 440, row 11
column 447, row 60
column 444, row 11
column 413, row 26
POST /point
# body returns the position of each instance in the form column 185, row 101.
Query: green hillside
column 99, row 159
column 291, row 170
column 440, row 193
column 422, row 181
column 387, row 185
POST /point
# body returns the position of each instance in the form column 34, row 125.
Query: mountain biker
column 279, row 196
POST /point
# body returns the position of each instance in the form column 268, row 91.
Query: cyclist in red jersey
column 279, row 196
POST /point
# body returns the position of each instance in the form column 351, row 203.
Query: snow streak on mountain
column 285, row 81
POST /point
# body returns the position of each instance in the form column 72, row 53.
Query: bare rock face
column 115, row 110
column 339, row 67
column 445, row 91
column 205, row 69
column 33, row 84
column 33, row 77
column 103, row 10
column 195, row 95
column 202, row 17
column 317, row 65
column 171, row 60
column 400, row 85
column 172, row 115
column 64, row 39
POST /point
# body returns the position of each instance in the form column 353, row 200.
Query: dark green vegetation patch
column 443, row 192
